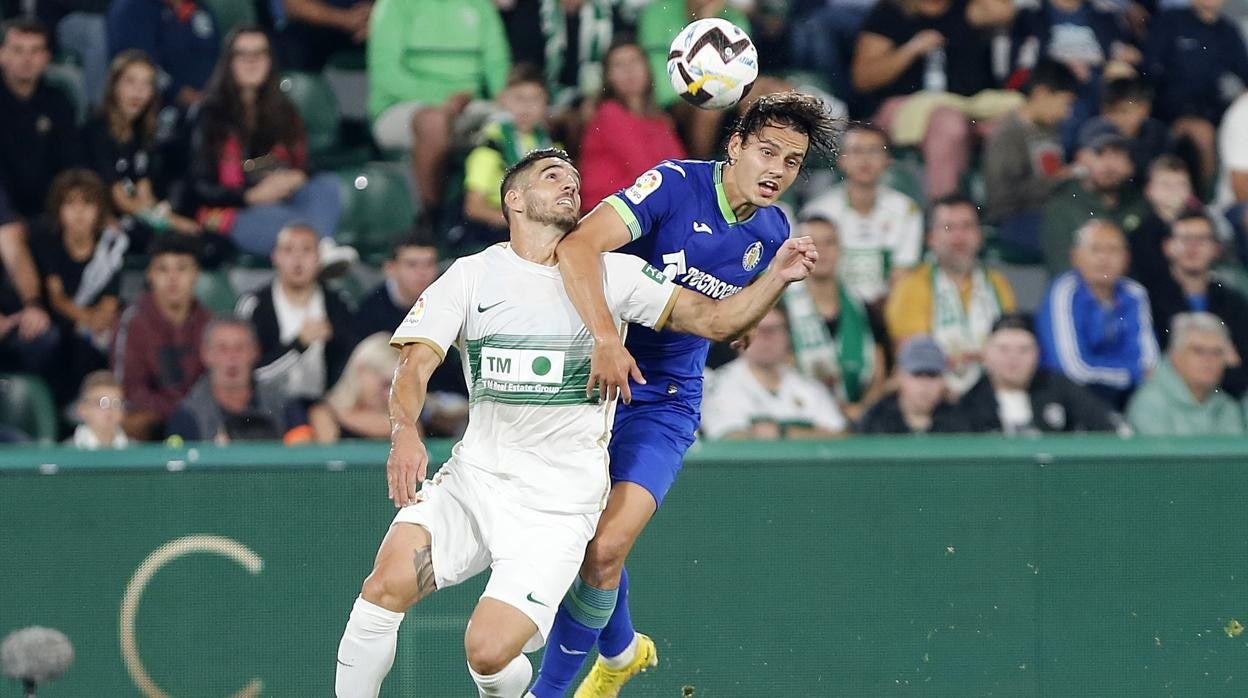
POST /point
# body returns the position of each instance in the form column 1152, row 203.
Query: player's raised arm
column 580, row 264
column 408, row 460
column 720, row 321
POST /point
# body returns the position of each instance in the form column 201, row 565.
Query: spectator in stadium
column 80, row 29
column 909, row 49
column 27, row 337
column 1095, row 325
column 1232, row 194
column 119, row 144
column 157, row 352
column 955, row 298
column 658, row 24
column 101, row 410
column 1188, row 56
column 918, row 406
column 1182, row 397
column 305, row 330
column 356, row 407
column 823, row 36
column 881, row 229
column 314, row 30
column 250, row 171
column 1191, row 249
column 1084, row 37
column 1169, row 195
column 1126, row 103
column 628, row 131
column 1024, row 159
column 1017, row 397
column 519, row 129
column 832, row 332
column 577, row 38
column 38, row 135
column 761, row 396
column 1103, row 191
column 182, row 37
column 427, row 59
column 227, row 403
column 79, row 256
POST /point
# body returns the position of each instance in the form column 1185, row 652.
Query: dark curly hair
column 804, row 113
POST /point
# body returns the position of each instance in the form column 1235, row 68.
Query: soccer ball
column 712, row 63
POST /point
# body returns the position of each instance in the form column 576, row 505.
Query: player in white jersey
column 523, row 490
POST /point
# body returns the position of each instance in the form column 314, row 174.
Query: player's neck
column 862, row 196
column 737, row 201
column 536, row 242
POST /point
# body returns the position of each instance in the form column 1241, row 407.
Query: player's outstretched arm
column 580, row 264
column 408, row 460
column 723, row 320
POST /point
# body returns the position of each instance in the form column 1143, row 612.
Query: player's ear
column 513, row 201
column 735, row 143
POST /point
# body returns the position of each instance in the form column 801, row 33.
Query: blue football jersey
column 681, row 222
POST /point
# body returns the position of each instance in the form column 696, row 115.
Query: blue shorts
column 649, row 441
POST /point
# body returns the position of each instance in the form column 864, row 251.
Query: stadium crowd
column 1037, row 220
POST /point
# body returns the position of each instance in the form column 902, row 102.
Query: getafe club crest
column 753, row 254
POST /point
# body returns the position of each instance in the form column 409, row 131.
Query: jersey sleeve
column 636, row 291
column 650, row 201
column 437, row 317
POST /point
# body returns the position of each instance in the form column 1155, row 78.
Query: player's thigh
column 536, row 556
column 403, row 570
column 648, row 445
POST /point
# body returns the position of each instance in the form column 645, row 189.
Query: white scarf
column 105, row 262
column 306, row 378
column 958, row 329
column 86, row 439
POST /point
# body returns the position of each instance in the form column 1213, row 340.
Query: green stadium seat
column 232, row 13
column 26, row 404
column 216, row 292
column 317, row 105
column 377, row 208
column 67, row 78
column 906, row 177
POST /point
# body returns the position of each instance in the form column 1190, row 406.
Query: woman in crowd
column 120, row 146
column 357, row 406
column 250, row 169
column 628, row 132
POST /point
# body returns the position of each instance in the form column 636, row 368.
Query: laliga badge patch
column 645, row 185
column 418, row 310
column 753, row 254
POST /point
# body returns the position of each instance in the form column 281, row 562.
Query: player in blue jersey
column 711, row 227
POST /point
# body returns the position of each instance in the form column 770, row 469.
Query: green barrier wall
column 940, row 567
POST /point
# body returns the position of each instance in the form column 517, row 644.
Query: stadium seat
column 26, row 404
column 67, row 77
column 377, row 208
column 314, row 99
column 232, row 13
column 906, row 177
column 215, row 291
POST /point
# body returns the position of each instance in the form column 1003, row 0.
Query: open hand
column 609, row 369
column 406, row 467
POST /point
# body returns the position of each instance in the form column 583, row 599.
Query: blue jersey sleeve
column 650, row 201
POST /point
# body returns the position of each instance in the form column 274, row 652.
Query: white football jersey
column 526, row 355
column 889, row 237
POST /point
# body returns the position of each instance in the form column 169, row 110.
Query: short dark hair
column 806, row 114
column 84, row 183
column 1168, row 162
column 1125, row 89
column 525, row 74
column 412, row 238
column 1194, row 213
column 865, row 127
column 522, row 165
column 174, row 244
column 948, row 201
column 24, row 25
column 1053, row 76
column 1013, row 321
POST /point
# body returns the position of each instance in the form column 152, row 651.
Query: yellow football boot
column 605, row 682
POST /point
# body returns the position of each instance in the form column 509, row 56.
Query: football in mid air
column 712, row 63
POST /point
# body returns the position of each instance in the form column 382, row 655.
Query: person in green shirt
column 1103, row 190
column 1182, row 397
column 427, row 59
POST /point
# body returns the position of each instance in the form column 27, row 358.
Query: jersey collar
column 721, row 197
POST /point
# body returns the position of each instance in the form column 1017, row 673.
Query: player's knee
column 487, row 652
column 389, row 591
column 604, row 560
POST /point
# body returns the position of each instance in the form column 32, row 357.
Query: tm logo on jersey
column 522, row 370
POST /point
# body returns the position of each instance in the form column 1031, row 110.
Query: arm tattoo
column 423, row 562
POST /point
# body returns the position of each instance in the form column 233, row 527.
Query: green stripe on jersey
column 530, row 370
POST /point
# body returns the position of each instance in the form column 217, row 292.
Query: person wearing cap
column 1016, row 396
column 1182, row 398
column 761, row 396
column 1095, row 325
column 1103, row 190
column 918, row 405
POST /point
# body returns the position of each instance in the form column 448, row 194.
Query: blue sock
column 583, row 613
column 618, row 633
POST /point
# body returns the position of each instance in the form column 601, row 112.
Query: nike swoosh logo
column 533, row 600
column 565, row 650
column 483, row 308
column 700, row 227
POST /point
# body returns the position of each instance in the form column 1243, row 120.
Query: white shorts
column 533, row 555
column 392, row 129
